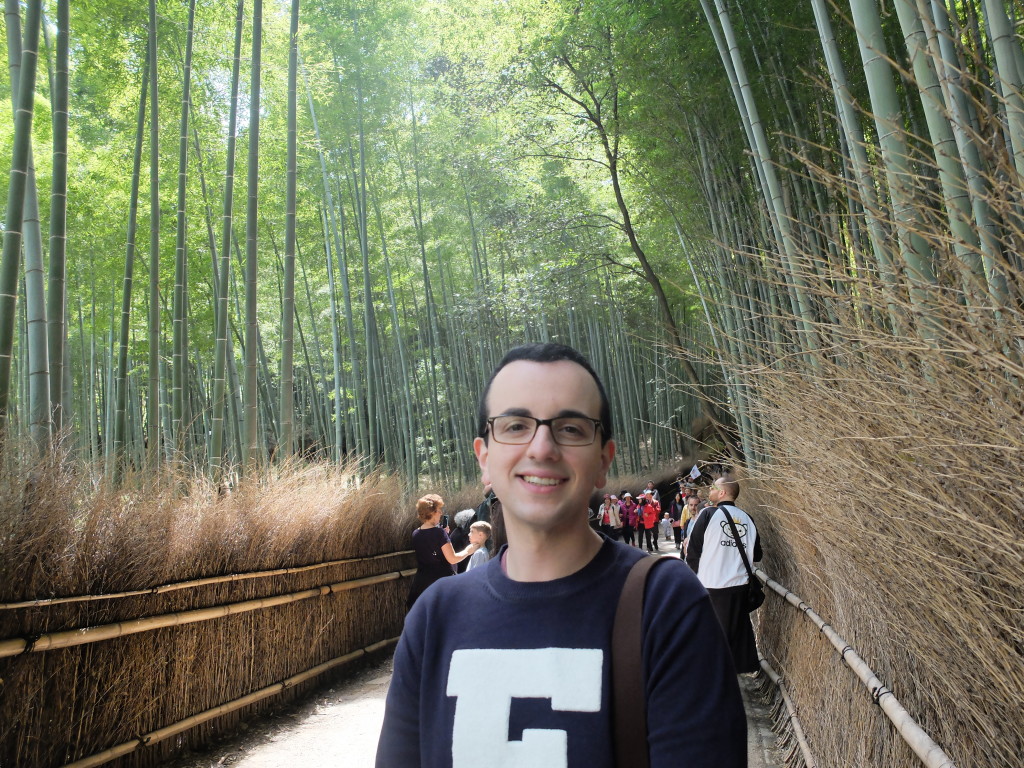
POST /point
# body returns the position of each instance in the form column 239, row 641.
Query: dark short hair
column 547, row 353
column 731, row 487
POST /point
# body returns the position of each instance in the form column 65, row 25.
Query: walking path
column 338, row 727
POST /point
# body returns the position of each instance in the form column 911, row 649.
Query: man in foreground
column 713, row 555
column 519, row 675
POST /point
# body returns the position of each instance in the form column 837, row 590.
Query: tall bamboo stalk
column 288, row 299
column 20, row 159
column 340, row 443
column 966, row 243
column 121, row 415
column 179, row 324
column 35, row 302
column 251, row 442
column 56, row 294
column 224, row 278
column 773, row 191
column 960, row 106
column 888, row 115
column 1006, row 49
column 153, row 330
column 855, row 143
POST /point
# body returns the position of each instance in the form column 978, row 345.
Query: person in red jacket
column 652, row 514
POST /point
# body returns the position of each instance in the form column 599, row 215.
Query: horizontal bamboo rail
column 72, row 637
column 174, row 586
column 190, row 722
column 794, row 721
column 917, row 738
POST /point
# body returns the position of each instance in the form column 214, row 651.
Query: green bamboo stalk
column 887, row 113
column 251, row 441
column 224, row 278
column 1006, row 49
column 855, row 143
column 808, row 341
column 35, row 302
column 430, row 327
column 85, row 420
column 339, row 228
column 288, row 304
column 966, row 244
column 153, row 330
column 321, row 368
column 374, row 375
column 341, row 444
column 332, row 232
column 21, row 152
column 407, row 434
column 940, row 37
column 121, row 415
column 56, row 293
column 179, row 324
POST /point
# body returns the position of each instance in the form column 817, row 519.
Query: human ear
column 607, row 454
column 480, row 449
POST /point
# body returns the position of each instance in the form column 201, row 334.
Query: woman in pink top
column 629, row 517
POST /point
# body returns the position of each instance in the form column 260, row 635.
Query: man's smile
column 544, row 481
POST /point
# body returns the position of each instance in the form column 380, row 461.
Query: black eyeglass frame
column 549, row 423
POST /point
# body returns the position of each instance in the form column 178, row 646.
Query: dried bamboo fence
column 134, row 626
column 930, row 753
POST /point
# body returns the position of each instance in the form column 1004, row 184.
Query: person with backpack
column 714, row 555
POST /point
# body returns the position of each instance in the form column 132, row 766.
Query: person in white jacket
column 713, row 555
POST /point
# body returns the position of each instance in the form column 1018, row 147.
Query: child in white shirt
column 666, row 526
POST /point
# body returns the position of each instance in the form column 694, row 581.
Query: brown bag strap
column 629, row 703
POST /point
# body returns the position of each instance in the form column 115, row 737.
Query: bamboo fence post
column 178, row 585
column 86, row 635
column 798, row 729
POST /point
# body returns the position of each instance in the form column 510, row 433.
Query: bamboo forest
column 259, row 261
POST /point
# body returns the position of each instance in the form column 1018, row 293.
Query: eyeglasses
column 567, row 430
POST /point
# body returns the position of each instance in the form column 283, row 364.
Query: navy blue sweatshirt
column 494, row 672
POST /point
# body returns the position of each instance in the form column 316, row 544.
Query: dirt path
column 336, row 728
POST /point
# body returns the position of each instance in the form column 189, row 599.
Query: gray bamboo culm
column 798, row 730
column 931, row 754
column 173, row 729
column 174, row 586
column 66, row 639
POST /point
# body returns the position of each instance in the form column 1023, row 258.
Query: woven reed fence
column 930, row 753
column 135, row 626
column 932, row 644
